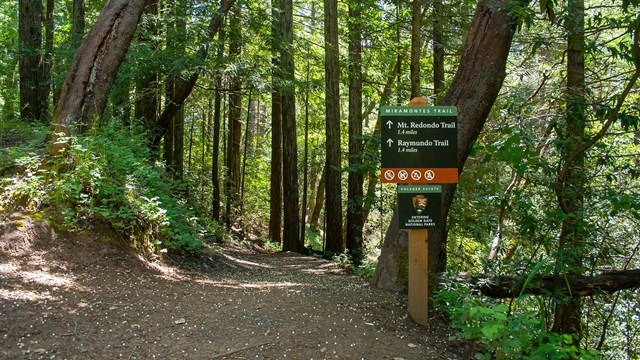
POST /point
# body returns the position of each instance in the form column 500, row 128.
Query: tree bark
column 232, row 183
column 570, row 184
column 217, row 118
column 78, row 21
column 438, row 52
column 291, row 240
column 275, row 196
column 30, row 60
column 333, row 207
column 319, row 202
column 414, row 65
column 355, row 220
column 47, row 63
column 503, row 287
column 474, row 89
column 94, row 68
column 148, row 88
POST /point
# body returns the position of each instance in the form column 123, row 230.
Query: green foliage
column 109, row 176
column 506, row 332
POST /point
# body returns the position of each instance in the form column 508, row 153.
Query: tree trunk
column 174, row 140
column 319, row 202
column 47, row 58
column 474, row 89
column 438, row 51
column 148, row 88
column 291, row 231
column 570, row 183
column 232, row 183
column 78, row 22
column 414, row 66
column 333, row 207
column 31, row 60
column 94, row 68
column 217, row 117
column 374, row 147
column 275, row 205
column 355, row 220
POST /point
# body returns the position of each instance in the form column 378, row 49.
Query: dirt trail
column 65, row 296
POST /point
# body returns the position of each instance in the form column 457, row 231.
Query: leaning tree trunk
column 94, row 68
column 474, row 89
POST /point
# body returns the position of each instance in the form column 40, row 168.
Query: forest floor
column 77, row 296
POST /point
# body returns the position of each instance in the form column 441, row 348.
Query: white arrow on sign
column 389, row 123
column 389, row 142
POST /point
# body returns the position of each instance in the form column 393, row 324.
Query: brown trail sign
column 419, row 146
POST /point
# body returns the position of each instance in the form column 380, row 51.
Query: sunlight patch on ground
column 23, row 295
column 45, row 278
column 245, row 262
column 249, row 285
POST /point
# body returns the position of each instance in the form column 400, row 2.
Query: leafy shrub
column 109, row 176
column 506, row 332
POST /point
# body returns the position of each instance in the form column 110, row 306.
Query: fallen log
column 502, row 287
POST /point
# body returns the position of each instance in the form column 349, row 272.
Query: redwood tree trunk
column 291, row 232
column 94, row 68
column 31, row 60
column 232, row 184
column 474, row 89
column 355, row 220
column 333, row 207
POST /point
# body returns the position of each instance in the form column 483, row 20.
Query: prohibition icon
column 403, row 175
column 416, row 175
column 389, row 175
column 429, row 175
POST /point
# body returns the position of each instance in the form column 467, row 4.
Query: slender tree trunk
column 31, row 63
column 275, row 206
column 372, row 147
column 178, row 144
column 570, row 184
column 335, row 241
column 474, row 89
column 314, row 222
column 438, row 51
column 416, row 47
column 247, row 145
column 94, row 68
column 232, row 184
column 217, row 116
column 47, row 58
column 355, row 221
column 305, row 180
column 148, row 88
column 78, row 20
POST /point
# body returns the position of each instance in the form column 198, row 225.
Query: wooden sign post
column 419, row 146
column 419, row 264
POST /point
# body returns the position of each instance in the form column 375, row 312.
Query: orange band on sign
column 419, row 175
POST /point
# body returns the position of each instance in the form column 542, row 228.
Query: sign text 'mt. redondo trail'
column 419, row 144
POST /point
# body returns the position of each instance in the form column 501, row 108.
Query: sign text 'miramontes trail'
column 419, row 144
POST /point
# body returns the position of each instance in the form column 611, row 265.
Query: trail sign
column 419, row 206
column 419, row 144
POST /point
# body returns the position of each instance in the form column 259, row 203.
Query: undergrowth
column 513, row 330
column 108, row 177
